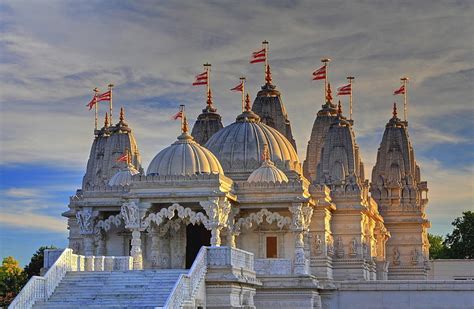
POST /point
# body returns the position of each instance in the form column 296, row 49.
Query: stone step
column 124, row 289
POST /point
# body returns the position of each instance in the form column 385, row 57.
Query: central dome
column 184, row 157
column 239, row 146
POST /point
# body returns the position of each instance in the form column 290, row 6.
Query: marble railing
column 187, row 286
column 273, row 266
column 58, row 263
column 226, row 256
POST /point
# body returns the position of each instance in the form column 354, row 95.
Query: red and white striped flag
column 320, row 73
column 200, row 79
column 177, row 115
column 259, row 56
column 92, row 103
column 106, row 96
column 239, row 87
column 344, row 90
column 401, row 90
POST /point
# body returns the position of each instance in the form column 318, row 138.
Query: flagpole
column 110, row 102
column 96, row 107
column 265, row 46
column 350, row 78
column 326, row 64
column 207, row 66
column 243, row 92
column 181, row 109
column 405, row 97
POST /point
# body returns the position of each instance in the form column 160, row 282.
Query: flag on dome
column 320, row 73
column 177, row 115
column 201, row 79
column 344, row 90
column 92, row 103
column 106, row 96
column 259, row 56
column 239, row 87
column 123, row 158
column 401, row 90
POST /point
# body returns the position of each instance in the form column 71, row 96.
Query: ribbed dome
column 184, row 157
column 123, row 177
column 239, row 146
column 268, row 172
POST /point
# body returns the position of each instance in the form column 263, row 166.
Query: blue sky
column 52, row 53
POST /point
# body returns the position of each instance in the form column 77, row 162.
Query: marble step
column 124, row 289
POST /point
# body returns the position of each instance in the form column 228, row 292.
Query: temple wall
column 401, row 294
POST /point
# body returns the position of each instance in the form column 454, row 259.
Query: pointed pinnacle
column 394, row 113
column 339, row 108
column 268, row 76
column 106, row 120
column 247, row 103
column 122, row 114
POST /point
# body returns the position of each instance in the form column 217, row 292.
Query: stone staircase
column 116, row 289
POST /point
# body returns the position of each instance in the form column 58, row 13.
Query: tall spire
column 328, row 93
column 106, row 120
column 247, row 103
column 122, row 114
column 268, row 75
column 339, row 108
column 394, row 112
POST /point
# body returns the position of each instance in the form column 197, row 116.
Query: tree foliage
column 461, row 241
column 36, row 263
column 12, row 280
column 438, row 249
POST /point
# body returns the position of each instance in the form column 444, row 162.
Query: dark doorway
column 196, row 237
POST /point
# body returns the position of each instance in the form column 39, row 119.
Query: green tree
column 461, row 241
column 36, row 263
column 438, row 249
column 12, row 279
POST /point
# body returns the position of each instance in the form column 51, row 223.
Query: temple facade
column 305, row 227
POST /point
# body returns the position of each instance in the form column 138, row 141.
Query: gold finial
column 122, row 114
column 328, row 95
column 268, row 75
column 247, row 103
column 111, row 85
column 106, row 120
column 339, row 108
column 394, row 113
column 185, row 124
column 266, row 153
column 209, row 97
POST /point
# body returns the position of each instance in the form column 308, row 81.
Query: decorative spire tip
column 247, row 103
column 339, row 108
column 394, row 113
column 122, row 114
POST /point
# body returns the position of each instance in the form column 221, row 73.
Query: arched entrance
column 196, row 237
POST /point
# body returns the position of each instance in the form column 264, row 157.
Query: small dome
column 184, row 157
column 268, row 172
column 123, row 177
column 239, row 146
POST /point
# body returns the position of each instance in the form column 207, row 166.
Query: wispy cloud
column 34, row 221
column 53, row 54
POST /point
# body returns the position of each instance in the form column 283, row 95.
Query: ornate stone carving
column 415, row 257
column 258, row 218
column 217, row 210
column 353, row 247
column 131, row 215
column 85, row 219
column 339, row 248
column 170, row 213
column 396, row 256
column 318, row 245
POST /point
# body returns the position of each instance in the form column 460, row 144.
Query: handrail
column 41, row 288
column 187, row 286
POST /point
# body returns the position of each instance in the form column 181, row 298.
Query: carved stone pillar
column 217, row 210
column 232, row 230
column 131, row 215
column 155, row 247
column 298, row 227
column 100, row 239
column 85, row 219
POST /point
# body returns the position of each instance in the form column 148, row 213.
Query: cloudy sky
column 52, row 53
